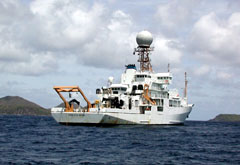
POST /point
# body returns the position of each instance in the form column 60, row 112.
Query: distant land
column 227, row 118
column 15, row 105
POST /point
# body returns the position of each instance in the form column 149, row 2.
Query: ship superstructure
column 141, row 97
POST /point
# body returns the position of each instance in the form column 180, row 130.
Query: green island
column 15, row 105
column 226, row 118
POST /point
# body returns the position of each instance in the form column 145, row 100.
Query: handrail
column 69, row 108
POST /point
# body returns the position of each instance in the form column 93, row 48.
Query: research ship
column 141, row 97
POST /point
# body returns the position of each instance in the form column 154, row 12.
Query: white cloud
column 10, row 52
column 36, row 65
column 112, row 45
column 202, row 70
column 11, row 9
column 224, row 75
column 175, row 15
column 216, row 40
column 92, row 33
column 166, row 51
column 45, row 30
column 67, row 24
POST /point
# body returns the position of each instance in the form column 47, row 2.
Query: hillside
column 15, row 105
column 227, row 118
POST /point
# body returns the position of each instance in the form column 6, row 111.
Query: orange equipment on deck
column 69, row 108
column 146, row 95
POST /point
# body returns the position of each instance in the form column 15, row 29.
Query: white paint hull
column 120, row 117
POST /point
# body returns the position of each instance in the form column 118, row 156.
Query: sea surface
column 40, row 140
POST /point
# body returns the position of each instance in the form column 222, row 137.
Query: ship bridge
column 118, row 88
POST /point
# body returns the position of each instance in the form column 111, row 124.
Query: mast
column 186, row 82
column 144, row 60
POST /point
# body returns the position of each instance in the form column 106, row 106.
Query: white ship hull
column 121, row 117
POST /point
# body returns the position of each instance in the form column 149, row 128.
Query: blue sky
column 71, row 42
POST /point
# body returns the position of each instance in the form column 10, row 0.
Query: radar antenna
column 144, row 40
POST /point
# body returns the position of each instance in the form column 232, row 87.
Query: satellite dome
column 110, row 80
column 144, row 39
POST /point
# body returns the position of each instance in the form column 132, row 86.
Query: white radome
column 110, row 80
column 144, row 39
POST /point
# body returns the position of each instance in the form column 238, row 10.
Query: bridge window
column 160, row 109
column 134, row 87
column 174, row 103
column 164, row 78
column 123, row 89
column 119, row 89
column 140, row 87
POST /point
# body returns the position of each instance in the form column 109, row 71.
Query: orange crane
column 69, row 108
column 146, row 95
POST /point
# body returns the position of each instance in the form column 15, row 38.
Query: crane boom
column 69, row 108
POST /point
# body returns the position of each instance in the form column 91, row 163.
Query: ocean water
column 40, row 140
